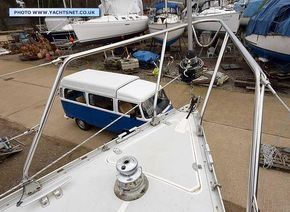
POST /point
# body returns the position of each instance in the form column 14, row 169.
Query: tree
column 4, row 12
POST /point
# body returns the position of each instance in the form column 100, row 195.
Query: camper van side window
column 124, row 107
column 77, row 96
column 101, row 101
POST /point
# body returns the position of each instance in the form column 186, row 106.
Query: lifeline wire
column 33, row 67
column 82, row 143
column 27, row 132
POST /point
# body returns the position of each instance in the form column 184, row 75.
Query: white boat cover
column 121, row 7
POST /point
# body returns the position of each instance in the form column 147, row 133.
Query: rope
column 270, row 154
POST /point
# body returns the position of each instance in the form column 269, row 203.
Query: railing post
column 255, row 152
column 43, row 120
column 221, row 53
column 159, row 75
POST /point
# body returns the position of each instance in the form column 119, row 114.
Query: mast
column 166, row 6
column 39, row 19
column 189, row 27
column 166, row 11
column 64, row 3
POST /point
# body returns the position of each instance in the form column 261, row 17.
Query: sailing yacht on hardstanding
column 166, row 15
column 228, row 15
column 119, row 18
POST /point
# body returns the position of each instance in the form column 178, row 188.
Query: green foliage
column 4, row 7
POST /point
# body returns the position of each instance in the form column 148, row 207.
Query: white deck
column 169, row 155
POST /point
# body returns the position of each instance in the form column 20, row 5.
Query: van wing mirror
column 133, row 116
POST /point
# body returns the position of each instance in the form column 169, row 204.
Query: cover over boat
column 269, row 31
column 248, row 8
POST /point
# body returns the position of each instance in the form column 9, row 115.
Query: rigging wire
column 27, row 132
column 82, row 143
column 55, row 62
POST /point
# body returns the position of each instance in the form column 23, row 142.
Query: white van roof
column 97, row 82
column 137, row 91
column 124, row 87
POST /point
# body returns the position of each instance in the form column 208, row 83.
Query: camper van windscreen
column 148, row 105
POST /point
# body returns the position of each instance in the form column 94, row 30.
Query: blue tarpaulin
column 253, row 7
column 273, row 18
column 161, row 5
column 146, row 56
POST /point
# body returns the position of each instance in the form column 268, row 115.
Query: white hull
column 273, row 43
column 230, row 18
column 107, row 27
column 173, row 35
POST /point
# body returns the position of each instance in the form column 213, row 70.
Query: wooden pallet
column 278, row 162
column 128, row 64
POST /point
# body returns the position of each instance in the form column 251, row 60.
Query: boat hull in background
column 230, row 17
column 59, row 30
column 172, row 37
column 108, row 27
column 270, row 46
column 55, row 37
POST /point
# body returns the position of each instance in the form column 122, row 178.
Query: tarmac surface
column 228, row 124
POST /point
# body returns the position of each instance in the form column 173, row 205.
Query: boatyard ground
column 228, row 124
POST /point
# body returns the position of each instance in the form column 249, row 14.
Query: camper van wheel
column 83, row 125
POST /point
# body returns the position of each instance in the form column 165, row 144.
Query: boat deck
column 175, row 160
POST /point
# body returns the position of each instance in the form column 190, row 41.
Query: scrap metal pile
column 37, row 49
column 30, row 45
